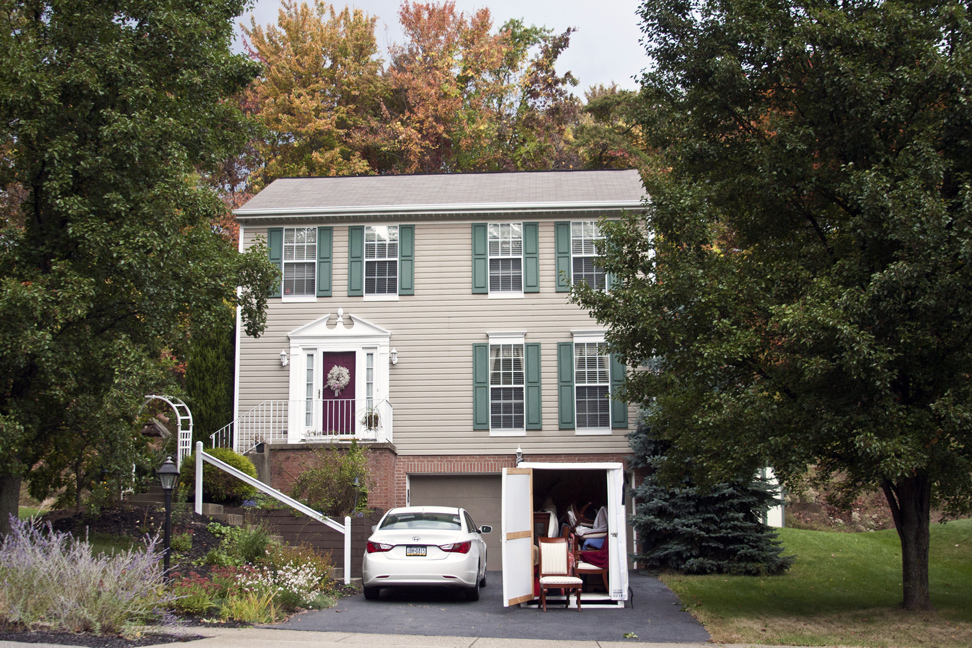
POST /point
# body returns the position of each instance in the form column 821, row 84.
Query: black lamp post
column 168, row 474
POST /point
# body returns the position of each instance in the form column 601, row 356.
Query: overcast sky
column 604, row 48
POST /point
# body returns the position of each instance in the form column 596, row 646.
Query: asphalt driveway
column 653, row 614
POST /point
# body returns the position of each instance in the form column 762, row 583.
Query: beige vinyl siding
column 434, row 330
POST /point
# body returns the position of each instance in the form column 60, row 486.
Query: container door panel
column 517, row 535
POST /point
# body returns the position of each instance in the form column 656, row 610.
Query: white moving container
column 517, row 528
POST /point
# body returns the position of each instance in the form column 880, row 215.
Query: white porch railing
column 280, row 421
column 345, row 528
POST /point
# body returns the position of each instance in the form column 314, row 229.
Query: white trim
column 506, row 337
column 508, row 433
column 382, row 297
column 506, row 295
column 445, row 209
column 590, row 431
column 307, row 299
column 236, row 360
column 588, row 336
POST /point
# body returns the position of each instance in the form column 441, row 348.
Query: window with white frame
column 381, row 260
column 309, row 392
column 592, row 385
column 505, row 257
column 583, row 252
column 299, row 261
column 506, row 387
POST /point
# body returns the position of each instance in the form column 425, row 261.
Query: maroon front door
column 337, row 409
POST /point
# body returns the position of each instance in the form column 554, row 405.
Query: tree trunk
column 9, row 500
column 910, row 502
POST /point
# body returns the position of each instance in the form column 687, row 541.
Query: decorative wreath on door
column 338, row 378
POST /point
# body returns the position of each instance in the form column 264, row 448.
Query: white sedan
column 425, row 545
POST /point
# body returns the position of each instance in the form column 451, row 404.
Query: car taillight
column 457, row 547
column 377, row 547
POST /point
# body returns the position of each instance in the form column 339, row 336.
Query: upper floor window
column 506, row 257
column 592, row 385
column 506, row 384
column 299, row 261
column 381, row 260
column 583, row 252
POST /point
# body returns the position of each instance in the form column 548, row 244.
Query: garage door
column 478, row 494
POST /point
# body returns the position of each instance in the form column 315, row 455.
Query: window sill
column 299, row 298
column 506, row 295
column 393, row 297
column 593, row 432
column 507, row 433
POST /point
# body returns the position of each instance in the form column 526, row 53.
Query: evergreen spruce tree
column 697, row 530
column 209, row 378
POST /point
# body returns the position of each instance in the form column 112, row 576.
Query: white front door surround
column 309, row 345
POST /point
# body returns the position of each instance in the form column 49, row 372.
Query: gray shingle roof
column 447, row 193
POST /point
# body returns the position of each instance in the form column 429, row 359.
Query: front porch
column 308, row 421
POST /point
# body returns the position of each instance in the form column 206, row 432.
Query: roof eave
column 398, row 211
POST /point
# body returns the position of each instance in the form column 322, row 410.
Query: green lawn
column 29, row 511
column 845, row 588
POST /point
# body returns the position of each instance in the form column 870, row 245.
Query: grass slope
column 845, row 588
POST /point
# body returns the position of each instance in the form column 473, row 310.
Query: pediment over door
column 348, row 328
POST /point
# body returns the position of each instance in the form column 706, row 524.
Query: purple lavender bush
column 51, row 580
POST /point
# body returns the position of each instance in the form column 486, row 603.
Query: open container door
column 617, row 536
column 517, row 536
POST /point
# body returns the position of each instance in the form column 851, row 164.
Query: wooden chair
column 584, row 568
column 556, row 572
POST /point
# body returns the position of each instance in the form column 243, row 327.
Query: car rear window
column 448, row 521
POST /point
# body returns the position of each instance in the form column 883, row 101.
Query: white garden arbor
column 184, row 417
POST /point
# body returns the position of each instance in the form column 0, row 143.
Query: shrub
column 219, row 487
column 328, row 484
column 239, row 545
column 49, row 579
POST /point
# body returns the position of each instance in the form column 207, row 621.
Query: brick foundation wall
column 389, row 470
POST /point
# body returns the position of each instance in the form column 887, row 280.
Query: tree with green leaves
column 107, row 253
column 803, row 268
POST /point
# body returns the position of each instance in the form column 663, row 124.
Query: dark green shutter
column 480, row 259
column 275, row 252
column 531, row 257
column 534, row 420
column 619, row 408
column 356, row 261
column 565, row 384
column 325, row 256
column 480, row 386
column 562, row 247
column 406, row 259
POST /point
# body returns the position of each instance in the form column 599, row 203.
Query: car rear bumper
column 381, row 572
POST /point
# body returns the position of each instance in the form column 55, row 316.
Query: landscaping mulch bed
column 93, row 641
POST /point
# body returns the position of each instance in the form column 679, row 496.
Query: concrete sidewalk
column 277, row 638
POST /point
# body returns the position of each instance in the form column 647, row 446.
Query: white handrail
column 345, row 528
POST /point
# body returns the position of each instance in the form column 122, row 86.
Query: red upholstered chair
column 556, row 571
column 593, row 562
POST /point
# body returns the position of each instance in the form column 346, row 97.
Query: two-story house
column 428, row 317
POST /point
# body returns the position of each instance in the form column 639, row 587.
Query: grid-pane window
column 505, row 257
column 381, row 260
column 309, row 392
column 583, row 252
column 300, row 261
column 592, row 385
column 506, row 378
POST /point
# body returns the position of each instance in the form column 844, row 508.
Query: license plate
column 415, row 551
